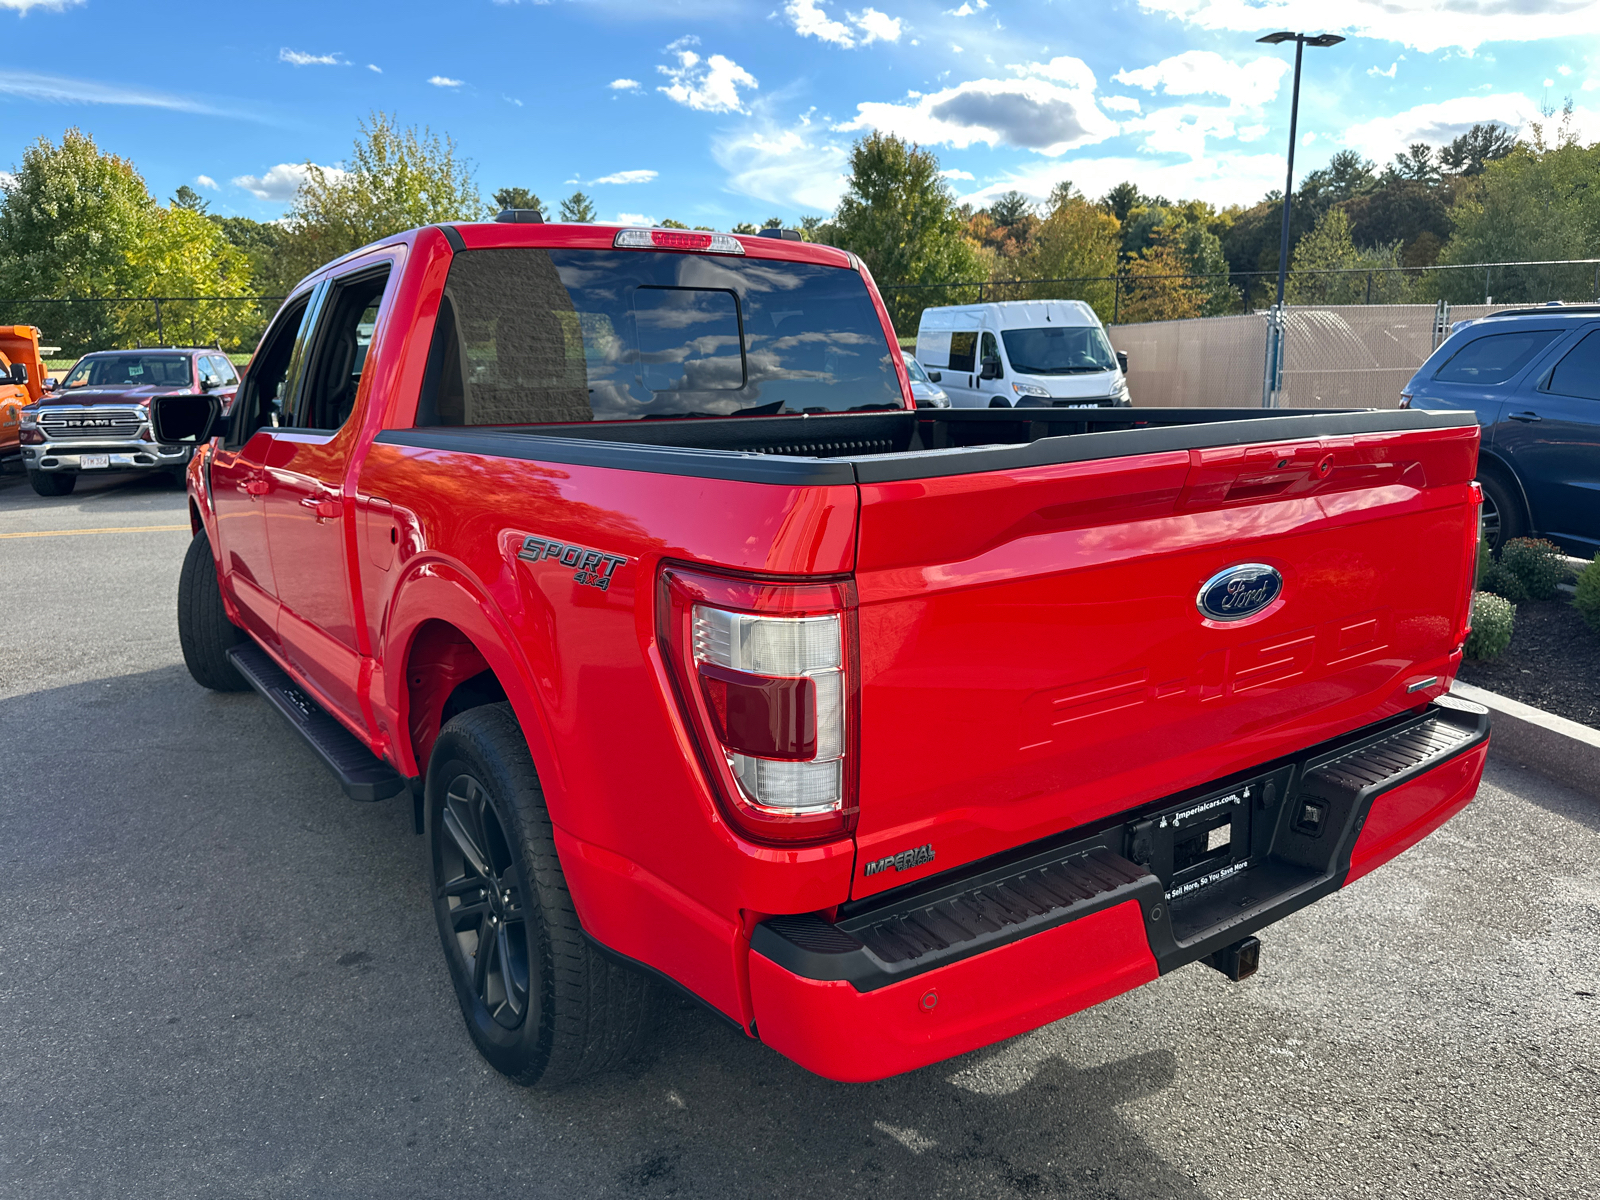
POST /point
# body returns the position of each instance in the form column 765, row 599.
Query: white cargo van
column 1021, row 352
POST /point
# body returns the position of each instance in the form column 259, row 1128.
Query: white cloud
column 1591, row 83
column 709, row 86
column 1389, row 74
column 1120, row 103
column 55, row 89
column 958, row 173
column 870, row 25
column 633, row 219
column 1418, row 24
column 512, row 100
column 282, row 181
column 300, row 58
column 24, row 7
column 793, row 166
column 7, row 181
column 1050, row 111
column 1204, row 72
column 1563, row 70
column 206, row 181
column 625, row 177
column 444, row 81
column 967, row 8
column 624, row 85
column 375, row 67
column 954, row 49
column 1440, row 122
column 1184, row 128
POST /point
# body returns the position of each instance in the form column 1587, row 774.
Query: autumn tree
column 1157, row 285
column 1077, row 241
column 1329, row 268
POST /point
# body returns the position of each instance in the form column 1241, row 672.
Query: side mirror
column 936, row 376
column 1122, row 361
column 49, row 385
column 19, row 372
column 991, row 368
column 207, row 382
column 185, row 420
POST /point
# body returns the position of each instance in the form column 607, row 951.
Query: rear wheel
column 542, row 1006
column 204, row 631
column 53, row 483
column 1503, row 517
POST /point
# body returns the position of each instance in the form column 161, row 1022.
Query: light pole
column 1272, row 382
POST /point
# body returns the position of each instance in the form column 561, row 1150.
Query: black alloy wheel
column 541, row 1004
column 481, row 901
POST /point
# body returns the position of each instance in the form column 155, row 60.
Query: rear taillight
column 1474, row 537
column 763, row 674
column 1405, row 399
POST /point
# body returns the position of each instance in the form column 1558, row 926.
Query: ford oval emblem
column 1239, row 592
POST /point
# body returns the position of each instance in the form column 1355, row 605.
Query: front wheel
column 541, row 1004
column 53, row 483
column 1502, row 513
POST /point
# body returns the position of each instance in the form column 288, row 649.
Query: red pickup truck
column 708, row 659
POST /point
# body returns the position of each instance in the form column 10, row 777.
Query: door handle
column 256, row 487
column 1525, row 416
column 326, row 507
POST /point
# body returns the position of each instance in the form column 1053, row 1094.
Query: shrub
column 1492, row 617
column 1537, row 563
column 1499, row 579
column 1587, row 601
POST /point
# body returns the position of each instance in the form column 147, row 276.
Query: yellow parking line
column 115, row 529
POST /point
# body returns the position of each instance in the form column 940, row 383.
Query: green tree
column 899, row 215
column 396, row 179
column 187, row 197
column 1541, row 201
column 746, row 228
column 182, row 254
column 262, row 242
column 1416, row 163
column 1010, row 208
column 577, row 208
column 1078, row 240
column 517, row 197
column 1475, row 149
column 1366, row 273
column 1406, row 211
column 669, row 223
column 1157, row 286
column 772, row 223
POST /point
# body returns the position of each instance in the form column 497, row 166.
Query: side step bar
column 362, row 774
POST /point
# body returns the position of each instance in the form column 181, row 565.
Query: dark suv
column 1533, row 377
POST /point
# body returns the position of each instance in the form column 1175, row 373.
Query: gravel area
column 1553, row 662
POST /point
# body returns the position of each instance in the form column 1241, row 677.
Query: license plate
column 89, row 462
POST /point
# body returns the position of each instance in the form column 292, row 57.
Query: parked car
column 1532, row 376
column 23, row 380
column 627, row 554
column 98, row 419
column 925, row 389
column 1053, row 353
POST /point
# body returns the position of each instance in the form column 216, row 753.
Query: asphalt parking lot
column 220, row 977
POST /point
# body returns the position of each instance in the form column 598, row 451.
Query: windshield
column 1058, row 350
column 528, row 335
column 130, row 370
column 914, row 369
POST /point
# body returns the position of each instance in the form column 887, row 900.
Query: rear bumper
column 964, row 960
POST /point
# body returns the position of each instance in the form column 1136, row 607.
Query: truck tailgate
column 1033, row 656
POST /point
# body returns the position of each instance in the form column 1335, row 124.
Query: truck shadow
column 279, row 938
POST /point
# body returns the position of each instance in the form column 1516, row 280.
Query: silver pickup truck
column 98, row 419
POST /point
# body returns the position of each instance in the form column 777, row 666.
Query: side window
column 1495, row 358
column 262, row 397
column 1578, row 372
column 207, row 365
column 229, row 375
column 963, row 351
column 343, row 335
column 991, row 349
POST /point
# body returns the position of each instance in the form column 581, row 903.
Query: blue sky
column 717, row 111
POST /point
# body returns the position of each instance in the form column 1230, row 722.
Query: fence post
column 161, row 336
column 1486, row 285
column 1369, row 287
column 1272, row 371
column 1116, row 296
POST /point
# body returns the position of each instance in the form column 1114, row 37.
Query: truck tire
column 542, row 1005
column 53, row 483
column 1503, row 517
column 204, row 631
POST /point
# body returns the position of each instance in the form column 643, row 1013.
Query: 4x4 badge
column 594, row 567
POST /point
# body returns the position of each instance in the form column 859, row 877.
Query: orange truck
column 22, row 378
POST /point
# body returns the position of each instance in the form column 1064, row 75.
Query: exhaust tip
column 1238, row 961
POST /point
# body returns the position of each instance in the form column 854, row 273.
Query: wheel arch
column 450, row 648
column 1489, row 461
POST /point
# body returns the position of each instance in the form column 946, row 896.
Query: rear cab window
column 532, row 336
column 1495, row 357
